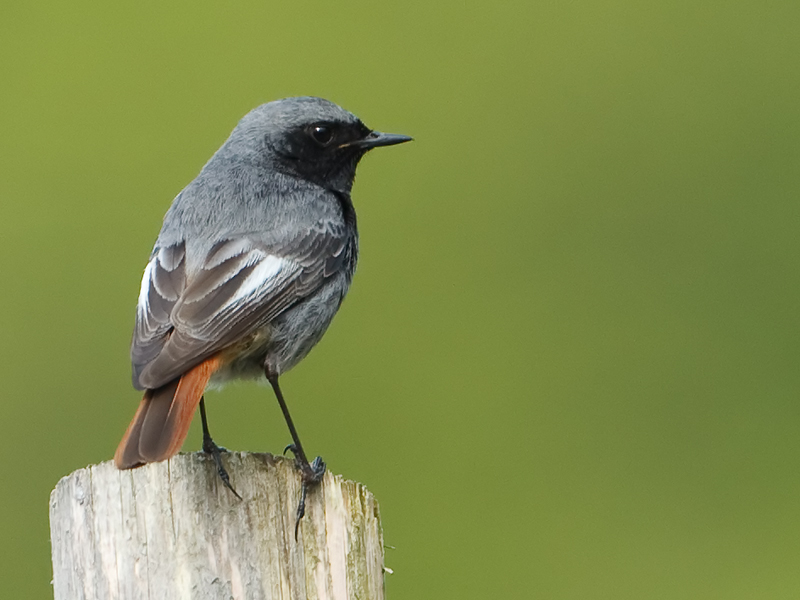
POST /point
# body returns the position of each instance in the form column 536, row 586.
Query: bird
column 253, row 260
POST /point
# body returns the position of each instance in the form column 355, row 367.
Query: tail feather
column 162, row 420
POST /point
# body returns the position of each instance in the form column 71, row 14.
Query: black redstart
column 253, row 260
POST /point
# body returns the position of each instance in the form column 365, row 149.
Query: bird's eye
column 322, row 134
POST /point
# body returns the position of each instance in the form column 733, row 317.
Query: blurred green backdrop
column 568, row 365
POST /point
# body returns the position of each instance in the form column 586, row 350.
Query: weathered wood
column 171, row 530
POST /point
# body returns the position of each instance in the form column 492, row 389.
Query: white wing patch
column 264, row 276
column 144, row 304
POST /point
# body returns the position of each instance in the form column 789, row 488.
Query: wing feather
column 242, row 284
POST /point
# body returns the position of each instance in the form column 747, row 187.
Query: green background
column 568, row 367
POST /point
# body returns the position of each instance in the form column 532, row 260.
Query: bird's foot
column 209, row 447
column 311, row 475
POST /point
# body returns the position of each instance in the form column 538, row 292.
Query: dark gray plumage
column 258, row 251
column 253, row 260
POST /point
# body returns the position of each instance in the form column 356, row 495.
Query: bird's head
column 310, row 138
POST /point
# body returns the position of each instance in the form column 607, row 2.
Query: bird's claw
column 211, row 448
column 311, row 475
column 314, row 472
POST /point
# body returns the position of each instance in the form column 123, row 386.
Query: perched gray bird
column 253, row 260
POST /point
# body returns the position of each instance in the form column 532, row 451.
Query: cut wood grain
column 171, row 530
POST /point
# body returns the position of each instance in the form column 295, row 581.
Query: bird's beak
column 376, row 138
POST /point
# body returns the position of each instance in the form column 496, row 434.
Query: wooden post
column 171, row 530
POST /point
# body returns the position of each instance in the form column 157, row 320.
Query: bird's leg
column 311, row 473
column 211, row 448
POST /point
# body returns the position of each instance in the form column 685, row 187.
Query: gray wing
column 184, row 317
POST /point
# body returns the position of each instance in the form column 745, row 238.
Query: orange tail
column 163, row 418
